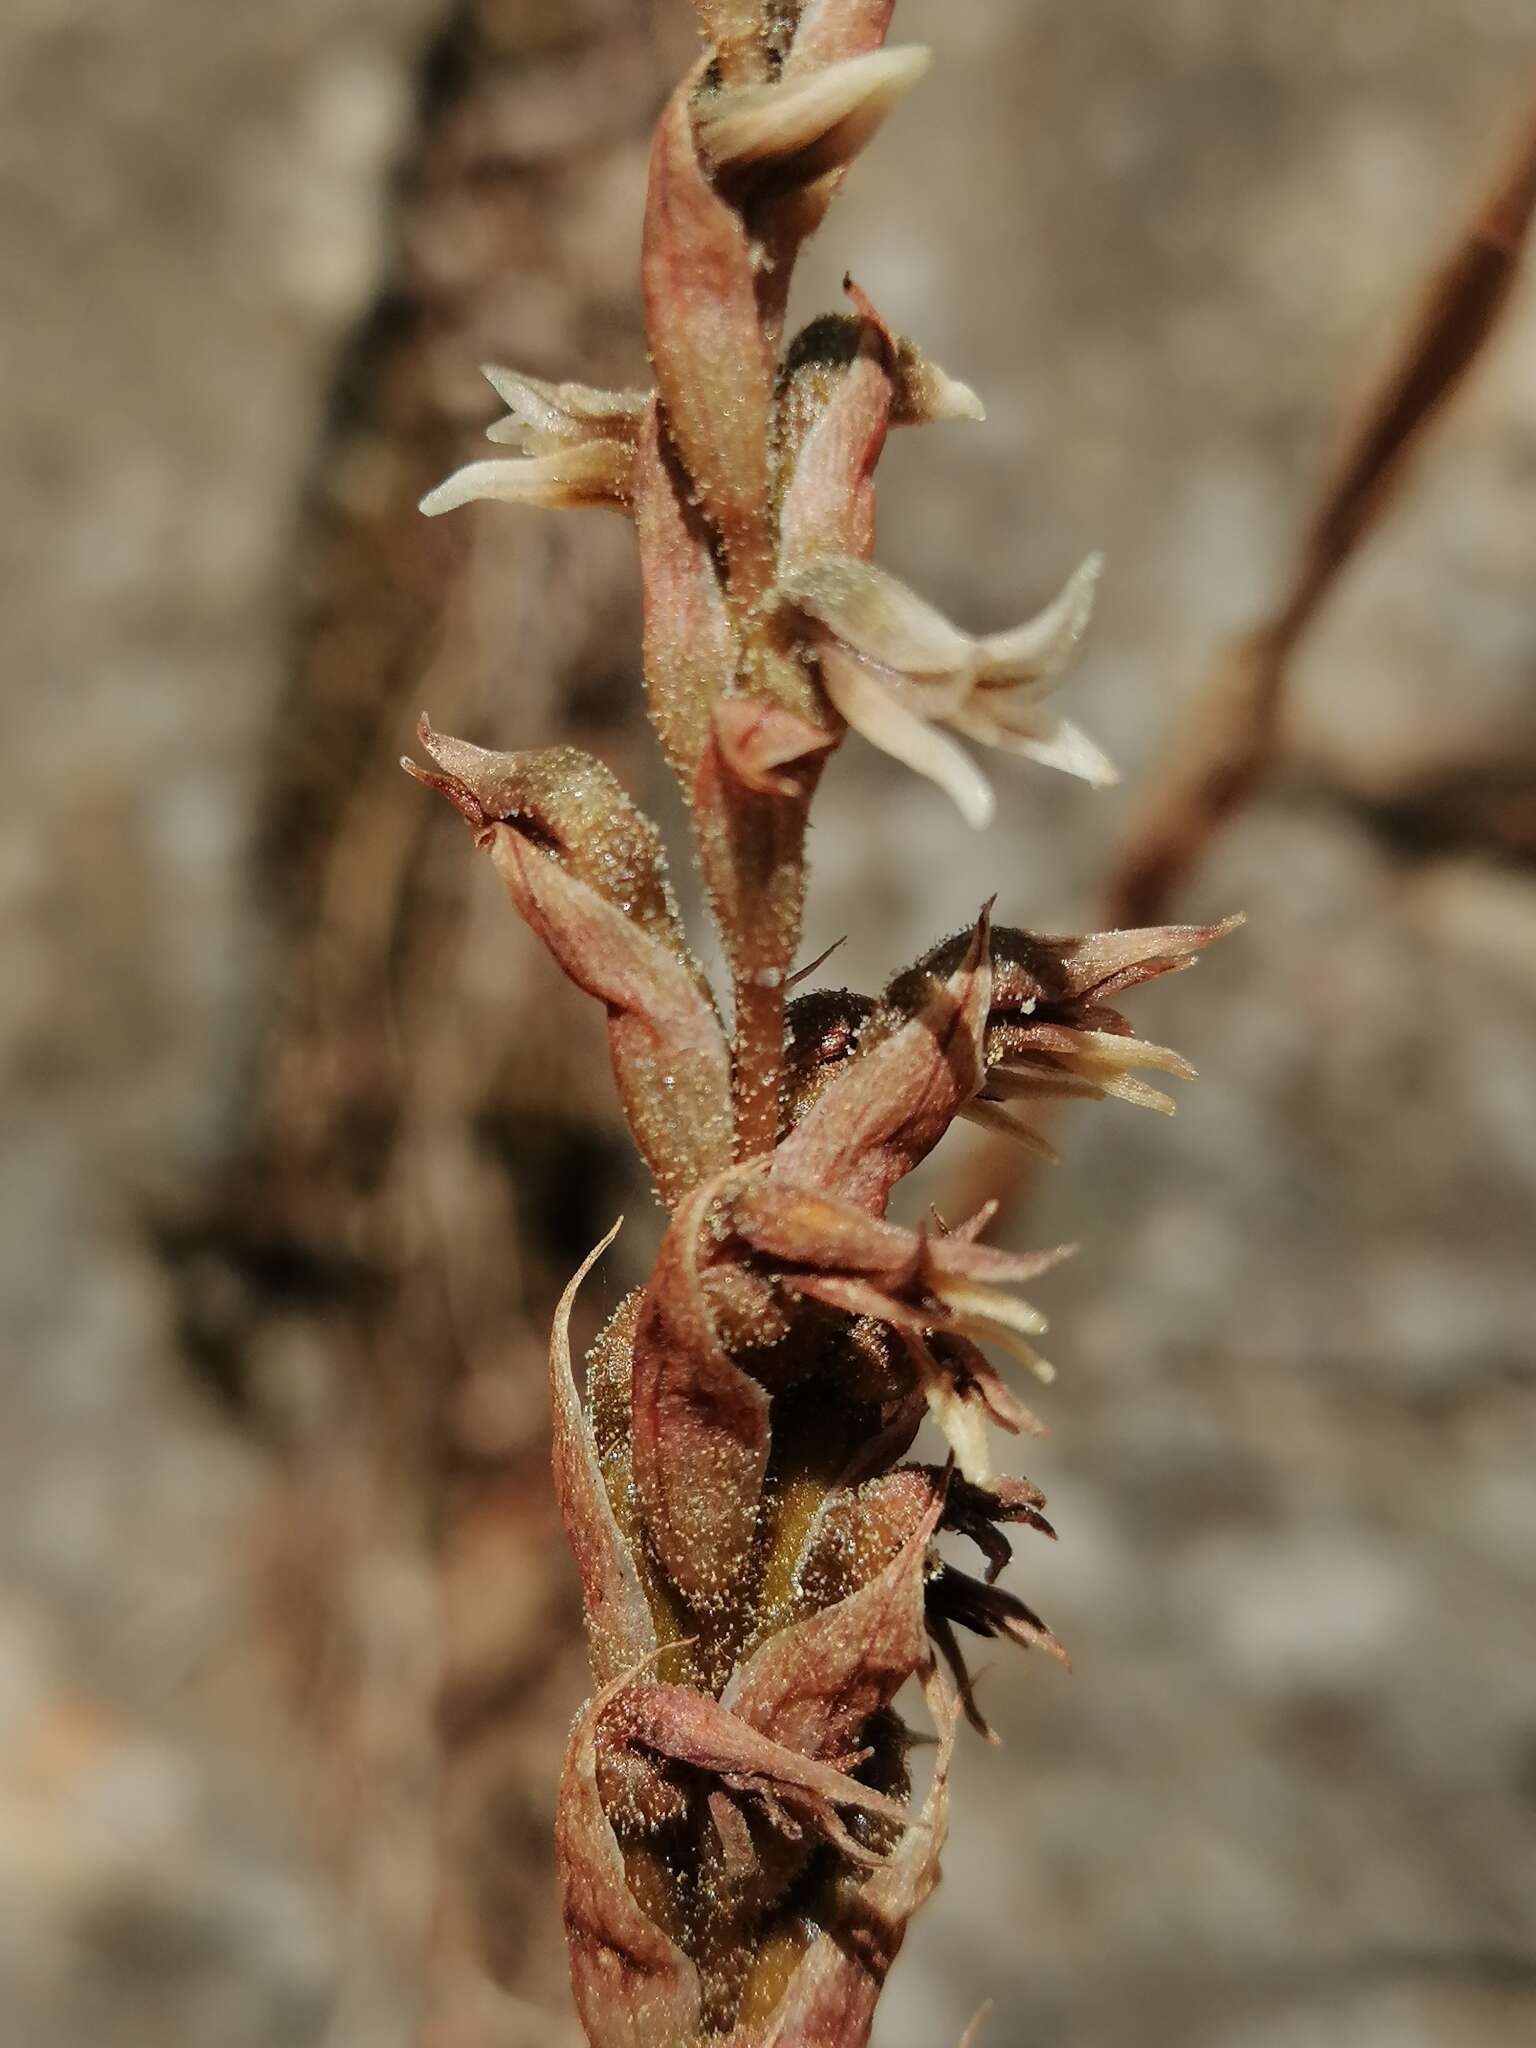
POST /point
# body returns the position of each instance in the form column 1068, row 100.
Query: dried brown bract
column 738, row 1851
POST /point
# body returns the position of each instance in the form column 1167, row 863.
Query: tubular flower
column 738, row 1847
column 897, row 671
column 576, row 447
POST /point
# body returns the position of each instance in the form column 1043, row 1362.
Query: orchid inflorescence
column 737, row 1853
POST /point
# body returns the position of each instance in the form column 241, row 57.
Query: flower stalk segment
column 738, row 1849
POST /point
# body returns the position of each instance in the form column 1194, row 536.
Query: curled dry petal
column 633, row 1985
column 586, row 869
column 886, row 1110
column 956, row 1599
column 691, row 1728
column 990, row 1610
column 620, row 1631
column 700, row 1424
column 1106, row 964
column 811, row 122
column 715, row 368
column 978, row 1511
column 897, row 670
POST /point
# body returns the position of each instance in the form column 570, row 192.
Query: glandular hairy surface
column 738, row 1849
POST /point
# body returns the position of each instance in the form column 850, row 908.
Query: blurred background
column 303, row 1136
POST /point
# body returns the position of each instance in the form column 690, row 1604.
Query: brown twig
column 1226, row 740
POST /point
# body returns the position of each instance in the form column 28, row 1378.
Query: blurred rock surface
column 1287, row 1800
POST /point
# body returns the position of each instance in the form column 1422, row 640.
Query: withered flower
column 1054, row 1030
column 738, row 1849
column 587, row 871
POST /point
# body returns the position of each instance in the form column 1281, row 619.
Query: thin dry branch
column 1224, row 744
column 1226, row 740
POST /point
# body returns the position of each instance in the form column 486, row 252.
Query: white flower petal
column 598, row 472
column 1063, row 745
column 964, row 1425
column 1140, row 1094
column 543, row 417
column 873, row 710
column 1036, row 1084
column 989, row 1304
column 928, row 396
column 985, row 1332
column 879, row 617
column 819, row 122
column 1113, row 1050
column 1045, row 644
column 946, row 399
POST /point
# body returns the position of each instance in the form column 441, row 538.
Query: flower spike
column 761, row 1571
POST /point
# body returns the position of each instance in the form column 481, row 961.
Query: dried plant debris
column 738, row 1850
